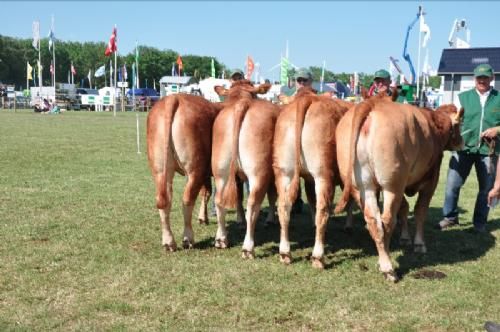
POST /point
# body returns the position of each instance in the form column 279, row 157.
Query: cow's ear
column 262, row 89
column 394, row 93
column 221, row 91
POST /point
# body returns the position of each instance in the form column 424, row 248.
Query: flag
column 393, row 73
column 179, row 63
column 110, row 72
column 136, row 53
column 125, row 74
column 424, row 28
column 39, row 68
column 213, row 68
column 322, row 76
column 250, row 67
column 426, row 69
column 111, row 48
column 284, row 71
column 89, row 76
column 133, row 75
column 52, row 38
column 29, row 71
column 100, row 71
column 36, row 34
column 73, row 70
column 173, row 69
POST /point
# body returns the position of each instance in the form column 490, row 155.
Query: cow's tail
column 171, row 105
column 361, row 112
column 230, row 193
column 300, row 115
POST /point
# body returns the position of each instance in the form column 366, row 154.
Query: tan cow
column 242, row 147
column 179, row 136
column 304, row 145
column 393, row 149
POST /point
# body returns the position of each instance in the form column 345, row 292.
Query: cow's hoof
column 247, row 254
column 420, row 248
column 286, row 259
column 221, row 243
column 317, row 263
column 391, row 276
column 170, row 247
column 203, row 221
column 404, row 242
column 186, row 244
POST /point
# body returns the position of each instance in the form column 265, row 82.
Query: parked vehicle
column 85, row 97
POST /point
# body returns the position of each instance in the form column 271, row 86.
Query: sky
column 348, row 36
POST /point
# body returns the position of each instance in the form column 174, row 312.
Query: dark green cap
column 483, row 70
column 382, row 73
column 303, row 73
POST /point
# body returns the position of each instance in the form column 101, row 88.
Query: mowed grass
column 80, row 250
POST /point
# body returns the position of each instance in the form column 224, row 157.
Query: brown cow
column 304, row 145
column 179, row 136
column 395, row 149
column 242, row 147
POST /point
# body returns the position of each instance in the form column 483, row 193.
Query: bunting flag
column 284, row 71
column 112, row 47
column 179, row 63
column 36, row 34
column 213, row 68
column 250, row 67
column 29, row 71
column 73, row 70
column 100, row 71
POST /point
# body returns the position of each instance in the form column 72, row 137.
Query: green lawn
column 80, row 250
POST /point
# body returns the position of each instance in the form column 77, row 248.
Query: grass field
column 80, row 250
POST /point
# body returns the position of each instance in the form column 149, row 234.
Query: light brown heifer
column 179, row 136
column 394, row 149
column 242, row 147
column 304, row 145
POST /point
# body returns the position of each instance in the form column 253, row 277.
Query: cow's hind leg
column 193, row 185
column 310, row 189
column 221, row 240
column 164, row 190
column 284, row 210
column 421, row 207
column 392, row 203
column 205, row 193
column 240, row 211
column 272, row 197
column 404, row 239
column 324, row 193
column 257, row 192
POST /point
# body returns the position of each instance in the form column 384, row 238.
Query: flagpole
column 27, row 78
column 39, row 67
column 114, row 92
column 137, row 64
column 322, row 77
column 420, row 11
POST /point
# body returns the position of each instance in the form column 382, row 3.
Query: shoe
column 492, row 327
column 446, row 223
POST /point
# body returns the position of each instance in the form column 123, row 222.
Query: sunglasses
column 302, row 80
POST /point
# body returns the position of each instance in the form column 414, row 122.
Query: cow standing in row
column 242, row 148
column 179, row 136
column 304, row 145
column 394, row 149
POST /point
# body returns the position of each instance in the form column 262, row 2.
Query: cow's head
column 455, row 141
column 242, row 89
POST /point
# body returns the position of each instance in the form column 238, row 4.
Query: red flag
column 179, row 63
column 250, row 67
column 73, row 70
column 112, row 44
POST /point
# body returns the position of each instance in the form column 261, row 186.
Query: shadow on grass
column 443, row 247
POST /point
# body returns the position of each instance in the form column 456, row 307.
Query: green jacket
column 476, row 120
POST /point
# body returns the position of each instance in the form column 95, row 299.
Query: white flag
column 89, row 76
column 100, row 71
column 36, row 34
column 424, row 28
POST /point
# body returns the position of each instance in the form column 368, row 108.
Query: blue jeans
column 460, row 166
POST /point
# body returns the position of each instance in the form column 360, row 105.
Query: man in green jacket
column 480, row 132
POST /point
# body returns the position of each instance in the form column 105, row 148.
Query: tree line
column 153, row 64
